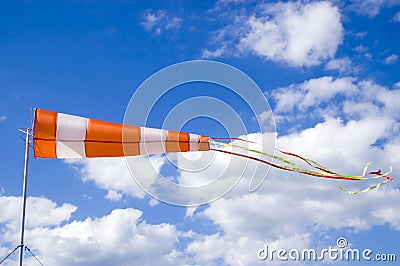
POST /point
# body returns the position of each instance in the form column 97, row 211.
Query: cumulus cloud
column 268, row 216
column 396, row 17
column 213, row 54
column 121, row 237
column 112, row 195
column 363, row 51
column 173, row 23
column 313, row 98
column 250, row 221
column 113, row 174
column 295, row 33
column 360, row 49
column 342, row 65
column 2, row 118
column 158, row 21
column 311, row 93
column 301, row 35
column 391, row 59
column 371, row 8
column 43, row 213
column 361, row 35
column 118, row 238
column 383, row 98
column 46, row 212
column 151, row 19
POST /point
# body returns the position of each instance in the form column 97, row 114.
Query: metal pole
column 21, row 246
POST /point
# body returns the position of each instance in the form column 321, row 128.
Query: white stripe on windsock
column 194, row 142
column 70, row 136
column 152, row 140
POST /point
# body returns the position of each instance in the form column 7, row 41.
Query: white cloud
column 152, row 19
column 113, row 195
column 396, row 17
column 311, row 93
column 343, row 65
column 2, row 118
column 119, row 238
column 316, row 97
column 173, row 23
column 385, row 99
column 267, row 121
column 371, row 8
column 268, row 216
column 42, row 212
column 206, row 249
column 294, row 211
column 391, row 59
column 368, row 55
column 159, row 21
column 112, row 174
column 353, row 139
column 250, row 221
column 300, row 35
column 238, row 249
column 190, row 211
column 360, row 35
column 212, row 54
column 360, row 49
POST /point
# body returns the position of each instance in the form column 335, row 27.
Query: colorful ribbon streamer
column 314, row 169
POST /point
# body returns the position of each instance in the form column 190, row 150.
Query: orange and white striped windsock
column 58, row 135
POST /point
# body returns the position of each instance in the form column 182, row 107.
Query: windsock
column 58, row 135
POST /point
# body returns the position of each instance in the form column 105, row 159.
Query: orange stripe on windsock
column 58, row 135
column 130, row 140
column 104, row 139
column 204, row 143
column 177, row 141
column 45, row 126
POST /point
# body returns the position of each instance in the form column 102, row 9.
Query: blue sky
column 329, row 70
